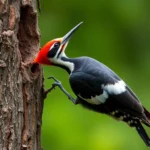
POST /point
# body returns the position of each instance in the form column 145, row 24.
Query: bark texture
column 21, row 98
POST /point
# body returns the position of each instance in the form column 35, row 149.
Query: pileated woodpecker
column 96, row 86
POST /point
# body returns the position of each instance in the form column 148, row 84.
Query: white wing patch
column 97, row 99
column 116, row 88
column 102, row 98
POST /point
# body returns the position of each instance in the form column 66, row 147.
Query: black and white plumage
column 103, row 91
column 96, row 86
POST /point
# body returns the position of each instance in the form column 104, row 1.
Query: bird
column 95, row 85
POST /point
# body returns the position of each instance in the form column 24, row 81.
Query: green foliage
column 116, row 33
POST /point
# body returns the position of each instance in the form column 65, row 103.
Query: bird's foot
column 51, row 77
column 48, row 90
column 59, row 84
column 51, row 88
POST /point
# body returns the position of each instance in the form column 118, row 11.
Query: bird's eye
column 56, row 45
column 54, row 49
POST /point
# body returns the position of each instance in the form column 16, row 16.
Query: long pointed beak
column 66, row 38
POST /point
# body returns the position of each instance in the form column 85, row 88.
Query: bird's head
column 54, row 49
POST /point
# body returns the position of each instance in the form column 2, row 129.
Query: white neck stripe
column 59, row 61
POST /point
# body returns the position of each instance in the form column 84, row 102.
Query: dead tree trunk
column 21, row 99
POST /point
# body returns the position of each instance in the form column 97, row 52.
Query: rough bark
column 21, row 99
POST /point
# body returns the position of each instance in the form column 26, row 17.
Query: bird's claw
column 58, row 83
column 51, row 77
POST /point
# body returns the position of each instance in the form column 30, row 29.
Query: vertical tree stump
column 21, row 83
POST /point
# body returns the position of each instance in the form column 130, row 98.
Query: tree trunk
column 21, row 82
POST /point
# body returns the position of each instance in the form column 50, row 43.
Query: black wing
column 88, row 86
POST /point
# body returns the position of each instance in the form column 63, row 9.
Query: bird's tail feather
column 147, row 113
column 141, row 131
column 146, row 120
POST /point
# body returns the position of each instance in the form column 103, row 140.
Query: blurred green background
column 116, row 33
